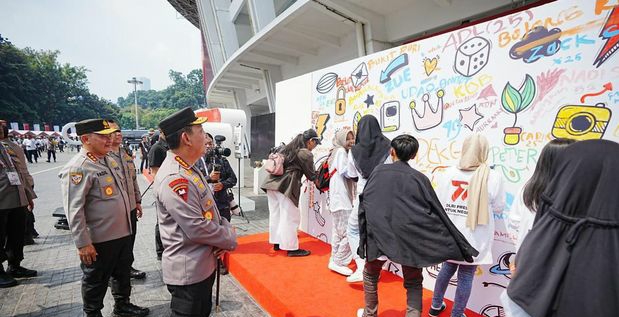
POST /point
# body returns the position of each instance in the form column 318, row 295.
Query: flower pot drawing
column 512, row 135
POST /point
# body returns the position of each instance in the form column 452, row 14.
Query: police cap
column 98, row 126
column 178, row 120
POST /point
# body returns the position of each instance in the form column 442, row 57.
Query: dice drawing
column 472, row 56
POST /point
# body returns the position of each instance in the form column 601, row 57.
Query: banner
column 521, row 80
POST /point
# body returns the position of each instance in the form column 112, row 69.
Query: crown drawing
column 427, row 117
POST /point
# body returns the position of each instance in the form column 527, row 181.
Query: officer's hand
column 31, row 205
column 218, row 186
column 138, row 210
column 214, row 176
column 87, row 254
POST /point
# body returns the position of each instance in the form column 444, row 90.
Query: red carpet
column 303, row 287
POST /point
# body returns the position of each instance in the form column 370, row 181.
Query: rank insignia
column 108, row 190
column 76, row 178
column 182, row 163
column 208, row 215
column 209, row 203
column 179, row 186
column 114, row 164
column 109, row 179
column 91, row 156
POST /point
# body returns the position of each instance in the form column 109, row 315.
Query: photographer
column 221, row 177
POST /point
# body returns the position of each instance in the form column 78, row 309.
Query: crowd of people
column 564, row 217
column 382, row 209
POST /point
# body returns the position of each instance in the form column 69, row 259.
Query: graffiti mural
column 521, row 80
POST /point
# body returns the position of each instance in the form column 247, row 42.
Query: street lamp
column 135, row 83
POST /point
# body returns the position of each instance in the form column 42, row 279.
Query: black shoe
column 126, row 309
column 276, row 247
column 19, row 271
column 6, row 280
column 97, row 314
column 299, row 252
column 137, row 274
column 159, row 257
column 435, row 312
column 28, row 241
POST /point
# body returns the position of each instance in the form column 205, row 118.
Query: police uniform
column 191, row 227
column 13, row 211
column 124, row 160
column 97, row 206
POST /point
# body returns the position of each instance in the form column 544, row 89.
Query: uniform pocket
column 107, row 187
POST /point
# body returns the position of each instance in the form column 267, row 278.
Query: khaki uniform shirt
column 94, row 199
column 189, row 222
column 12, row 194
column 19, row 159
column 125, row 161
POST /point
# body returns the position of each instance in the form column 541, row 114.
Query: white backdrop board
column 521, row 80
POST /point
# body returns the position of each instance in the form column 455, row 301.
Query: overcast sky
column 114, row 39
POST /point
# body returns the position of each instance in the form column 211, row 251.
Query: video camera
column 219, row 151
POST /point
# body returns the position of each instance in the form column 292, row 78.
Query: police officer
column 124, row 158
column 193, row 232
column 97, row 206
column 14, row 205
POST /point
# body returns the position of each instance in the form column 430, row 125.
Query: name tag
column 13, row 178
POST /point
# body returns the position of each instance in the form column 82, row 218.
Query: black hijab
column 371, row 146
column 567, row 265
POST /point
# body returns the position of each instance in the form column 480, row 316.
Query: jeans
column 413, row 279
column 466, row 273
column 352, row 230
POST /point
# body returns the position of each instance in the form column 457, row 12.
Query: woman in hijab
column 567, row 264
column 469, row 193
column 529, row 198
column 371, row 149
column 341, row 191
column 283, row 192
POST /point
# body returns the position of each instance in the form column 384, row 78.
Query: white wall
column 293, row 108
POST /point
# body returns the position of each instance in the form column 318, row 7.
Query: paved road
column 56, row 290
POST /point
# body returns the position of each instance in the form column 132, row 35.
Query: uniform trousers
column 134, row 227
column 12, row 228
column 413, row 279
column 192, row 300
column 284, row 220
column 114, row 260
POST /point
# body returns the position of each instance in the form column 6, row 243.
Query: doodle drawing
column 515, row 101
column 427, row 117
column 472, row 56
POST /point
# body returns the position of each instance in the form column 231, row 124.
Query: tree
column 36, row 88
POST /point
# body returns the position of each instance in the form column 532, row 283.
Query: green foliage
column 185, row 91
column 36, row 88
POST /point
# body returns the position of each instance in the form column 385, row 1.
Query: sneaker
column 19, row 271
column 344, row 270
column 299, row 252
column 360, row 312
column 436, row 311
column 355, row 277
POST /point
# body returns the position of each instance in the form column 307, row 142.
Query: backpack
column 274, row 165
column 323, row 175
